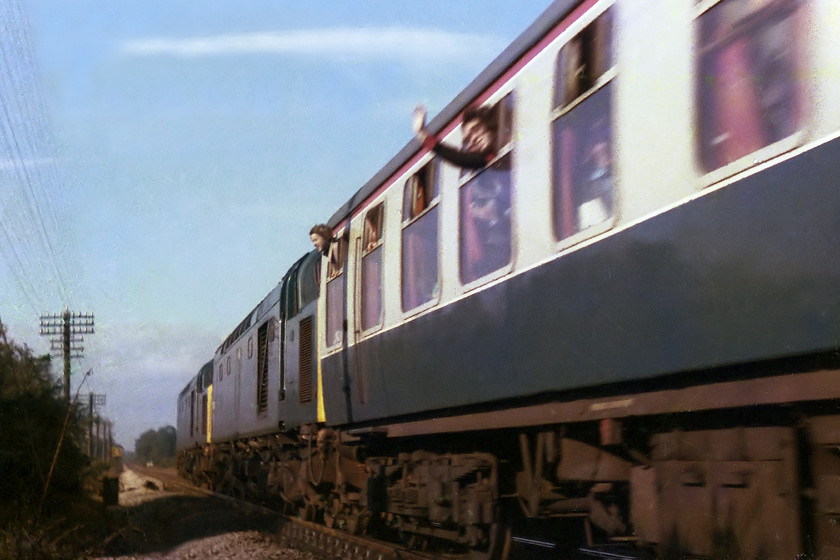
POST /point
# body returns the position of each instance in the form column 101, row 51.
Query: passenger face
column 484, row 209
column 601, row 154
column 317, row 241
column 477, row 137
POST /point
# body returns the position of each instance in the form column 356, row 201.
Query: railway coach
column 625, row 326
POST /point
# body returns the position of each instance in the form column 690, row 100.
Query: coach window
column 582, row 137
column 750, row 82
column 228, row 365
column 221, row 371
column 335, row 292
column 485, row 206
column 250, row 347
column 420, row 281
column 371, row 289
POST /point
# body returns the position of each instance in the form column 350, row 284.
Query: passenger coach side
column 621, row 112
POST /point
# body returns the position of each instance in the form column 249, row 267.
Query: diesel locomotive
column 619, row 334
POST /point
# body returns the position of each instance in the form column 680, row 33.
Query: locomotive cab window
column 420, row 280
column 371, row 288
column 485, row 208
column 750, row 82
column 308, row 277
column 335, row 292
column 582, row 136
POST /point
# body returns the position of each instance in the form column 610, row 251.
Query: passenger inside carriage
column 479, row 131
column 485, row 227
column 596, row 191
column 373, row 228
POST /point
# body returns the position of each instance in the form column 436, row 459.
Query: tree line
column 156, row 446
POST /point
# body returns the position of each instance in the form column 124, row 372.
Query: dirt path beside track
column 157, row 521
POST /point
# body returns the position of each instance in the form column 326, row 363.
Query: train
column 635, row 352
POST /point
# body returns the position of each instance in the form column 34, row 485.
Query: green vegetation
column 156, row 447
column 47, row 496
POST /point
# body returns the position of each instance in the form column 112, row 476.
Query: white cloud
column 391, row 43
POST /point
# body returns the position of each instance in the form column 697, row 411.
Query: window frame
column 335, row 274
column 504, row 149
column 769, row 151
column 379, row 209
column 363, row 253
column 607, row 78
column 431, row 166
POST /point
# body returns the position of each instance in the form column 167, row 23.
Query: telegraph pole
column 95, row 400
column 67, row 330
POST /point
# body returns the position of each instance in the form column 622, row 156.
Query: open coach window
column 750, row 69
column 582, row 130
column 420, row 283
column 485, row 206
column 335, row 292
column 371, row 293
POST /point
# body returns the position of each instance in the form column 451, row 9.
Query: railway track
column 323, row 542
column 326, row 543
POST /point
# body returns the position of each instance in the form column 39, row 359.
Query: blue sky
column 161, row 162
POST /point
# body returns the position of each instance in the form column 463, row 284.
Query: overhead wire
column 25, row 284
column 22, row 162
column 45, row 143
column 25, row 139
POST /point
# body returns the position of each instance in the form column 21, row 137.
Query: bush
column 40, row 511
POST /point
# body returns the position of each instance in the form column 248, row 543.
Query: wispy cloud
column 142, row 367
column 384, row 43
column 20, row 163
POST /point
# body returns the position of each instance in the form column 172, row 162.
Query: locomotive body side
column 298, row 391
column 184, row 434
column 194, row 419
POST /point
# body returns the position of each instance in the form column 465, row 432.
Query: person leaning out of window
column 478, row 137
column 323, row 240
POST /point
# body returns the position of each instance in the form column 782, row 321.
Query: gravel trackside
column 155, row 524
